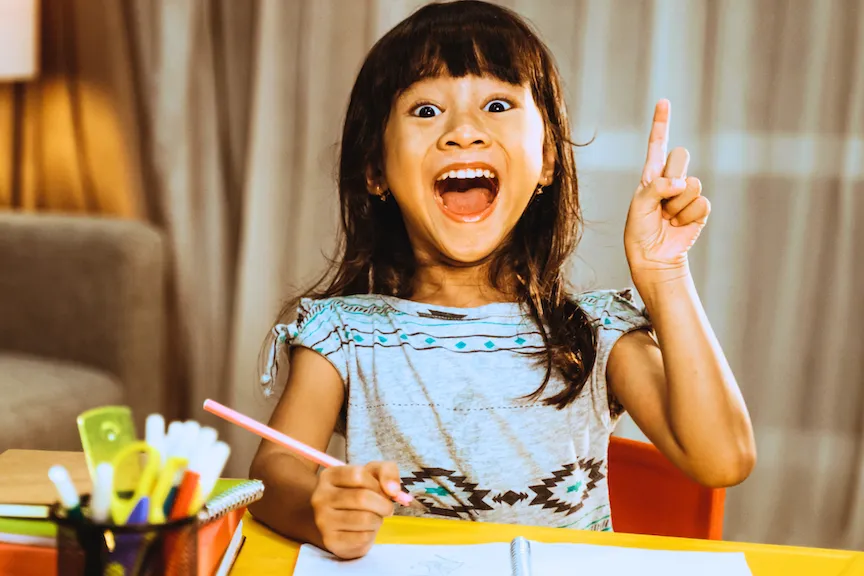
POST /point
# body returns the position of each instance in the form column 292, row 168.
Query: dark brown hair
column 458, row 39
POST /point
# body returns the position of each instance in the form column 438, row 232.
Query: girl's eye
column 426, row 111
column 497, row 106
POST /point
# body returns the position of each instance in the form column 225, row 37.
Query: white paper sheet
column 409, row 560
column 616, row 561
column 546, row 559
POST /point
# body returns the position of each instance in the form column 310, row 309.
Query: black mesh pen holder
column 86, row 548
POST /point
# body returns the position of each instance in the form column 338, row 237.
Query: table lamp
column 19, row 62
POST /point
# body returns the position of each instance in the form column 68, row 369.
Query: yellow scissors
column 130, row 471
column 153, row 480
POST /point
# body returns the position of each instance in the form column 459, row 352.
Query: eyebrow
column 496, row 85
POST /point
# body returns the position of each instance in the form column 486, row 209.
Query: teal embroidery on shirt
column 575, row 487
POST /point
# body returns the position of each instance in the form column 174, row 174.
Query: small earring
column 538, row 190
column 380, row 193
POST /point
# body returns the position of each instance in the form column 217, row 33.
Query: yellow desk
column 265, row 552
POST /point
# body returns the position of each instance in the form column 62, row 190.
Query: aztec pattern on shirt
column 441, row 392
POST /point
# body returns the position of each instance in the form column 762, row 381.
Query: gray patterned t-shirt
column 440, row 392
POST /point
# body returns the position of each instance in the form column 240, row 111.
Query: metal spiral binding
column 520, row 556
column 241, row 495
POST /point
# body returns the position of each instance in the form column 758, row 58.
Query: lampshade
column 19, row 34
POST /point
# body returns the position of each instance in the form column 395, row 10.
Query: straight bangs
column 458, row 45
column 458, row 40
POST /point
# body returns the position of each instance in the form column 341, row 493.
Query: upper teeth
column 469, row 173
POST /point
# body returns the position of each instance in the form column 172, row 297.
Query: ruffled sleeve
column 613, row 313
column 318, row 327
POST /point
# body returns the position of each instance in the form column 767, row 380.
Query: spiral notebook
column 495, row 560
column 221, row 521
column 230, row 495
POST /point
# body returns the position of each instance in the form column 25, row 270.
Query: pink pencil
column 291, row 444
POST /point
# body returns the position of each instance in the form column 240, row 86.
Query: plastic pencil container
column 86, row 548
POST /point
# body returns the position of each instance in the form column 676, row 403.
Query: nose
column 464, row 133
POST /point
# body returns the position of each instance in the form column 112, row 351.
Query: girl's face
column 463, row 157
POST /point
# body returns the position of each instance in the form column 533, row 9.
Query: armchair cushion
column 41, row 398
column 88, row 291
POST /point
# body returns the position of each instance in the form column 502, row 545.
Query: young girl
column 446, row 346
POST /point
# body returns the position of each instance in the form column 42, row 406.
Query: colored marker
column 103, row 485
column 291, row 444
column 188, row 499
column 188, row 439
column 59, row 476
column 172, row 437
column 154, row 434
column 212, row 470
column 206, row 437
column 185, row 495
column 139, row 513
column 128, row 547
column 164, row 489
column 178, row 457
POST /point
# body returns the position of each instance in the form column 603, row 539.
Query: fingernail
column 404, row 498
column 679, row 183
column 393, row 488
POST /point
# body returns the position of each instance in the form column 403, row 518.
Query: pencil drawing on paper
column 439, row 566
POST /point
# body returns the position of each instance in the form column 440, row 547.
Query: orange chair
column 649, row 495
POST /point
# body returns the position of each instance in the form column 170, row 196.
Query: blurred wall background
column 219, row 121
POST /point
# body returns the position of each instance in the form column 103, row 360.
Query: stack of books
column 28, row 537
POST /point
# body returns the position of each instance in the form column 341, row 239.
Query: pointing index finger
column 658, row 143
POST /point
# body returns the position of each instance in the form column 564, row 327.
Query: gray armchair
column 82, row 322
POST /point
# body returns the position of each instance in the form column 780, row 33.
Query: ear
column 549, row 159
column 375, row 182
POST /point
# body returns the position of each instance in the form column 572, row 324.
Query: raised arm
column 678, row 388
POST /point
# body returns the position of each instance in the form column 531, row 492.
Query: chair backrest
column 649, row 495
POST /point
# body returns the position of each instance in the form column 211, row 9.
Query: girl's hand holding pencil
column 351, row 502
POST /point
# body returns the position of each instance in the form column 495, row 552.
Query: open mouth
column 467, row 194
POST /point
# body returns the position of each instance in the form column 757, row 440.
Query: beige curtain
column 192, row 65
column 232, row 113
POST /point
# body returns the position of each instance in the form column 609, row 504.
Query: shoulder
column 616, row 310
column 322, row 325
column 318, row 324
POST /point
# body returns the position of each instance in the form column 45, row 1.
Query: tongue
column 472, row 201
